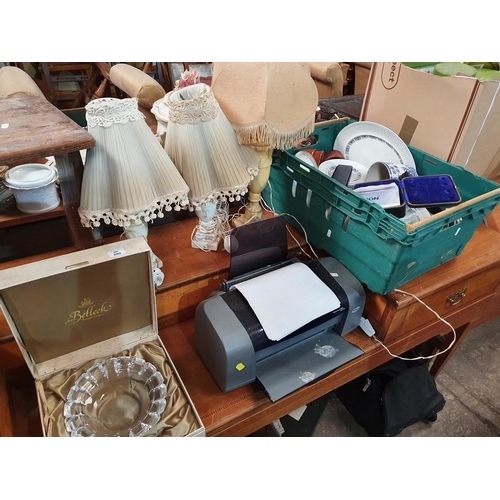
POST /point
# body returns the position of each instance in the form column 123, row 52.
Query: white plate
column 358, row 173
column 369, row 142
column 307, row 158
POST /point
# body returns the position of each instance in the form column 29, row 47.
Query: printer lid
column 257, row 244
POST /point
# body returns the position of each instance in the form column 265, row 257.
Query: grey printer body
column 236, row 350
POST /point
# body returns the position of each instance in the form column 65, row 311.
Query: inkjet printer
column 277, row 320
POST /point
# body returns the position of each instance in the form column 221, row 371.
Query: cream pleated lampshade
column 203, row 146
column 128, row 177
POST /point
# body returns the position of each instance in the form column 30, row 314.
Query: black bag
column 392, row 397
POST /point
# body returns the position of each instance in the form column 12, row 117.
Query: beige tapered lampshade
column 203, row 146
column 269, row 105
column 128, row 177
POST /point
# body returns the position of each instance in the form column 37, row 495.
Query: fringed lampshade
column 203, row 146
column 270, row 106
column 128, row 178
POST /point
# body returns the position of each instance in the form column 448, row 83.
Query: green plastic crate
column 380, row 250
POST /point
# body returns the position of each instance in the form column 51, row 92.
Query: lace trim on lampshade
column 121, row 218
column 221, row 195
column 203, row 146
column 128, row 177
column 108, row 111
column 193, row 104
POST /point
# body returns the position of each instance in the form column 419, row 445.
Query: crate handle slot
column 345, row 224
column 451, row 224
column 304, row 168
column 312, row 139
column 328, row 212
column 430, row 162
column 359, row 214
column 308, row 198
column 294, row 188
column 340, row 190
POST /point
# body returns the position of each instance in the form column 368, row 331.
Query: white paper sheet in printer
column 281, row 323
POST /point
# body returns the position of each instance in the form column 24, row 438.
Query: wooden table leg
column 441, row 360
column 70, row 169
column 5, row 421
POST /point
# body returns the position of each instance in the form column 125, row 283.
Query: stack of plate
column 362, row 145
column 368, row 143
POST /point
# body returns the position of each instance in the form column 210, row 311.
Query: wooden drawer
column 447, row 301
column 452, row 287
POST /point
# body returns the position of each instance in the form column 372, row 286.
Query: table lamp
column 128, row 178
column 203, row 146
column 270, row 106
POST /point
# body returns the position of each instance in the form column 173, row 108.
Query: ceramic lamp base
column 204, row 241
column 141, row 230
column 253, row 210
column 212, row 223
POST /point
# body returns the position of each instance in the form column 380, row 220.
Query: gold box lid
column 66, row 310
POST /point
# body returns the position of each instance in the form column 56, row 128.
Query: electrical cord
column 215, row 229
column 272, row 210
column 438, row 316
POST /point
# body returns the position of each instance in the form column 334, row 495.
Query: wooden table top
column 247, row 409
column 31, row 127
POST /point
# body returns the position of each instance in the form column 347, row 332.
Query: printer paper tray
column 302, row 363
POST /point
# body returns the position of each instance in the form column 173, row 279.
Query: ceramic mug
column 381, row 171
column 316, row 154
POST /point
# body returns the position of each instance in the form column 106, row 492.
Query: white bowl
column 34, row 187
column 358, row 173
column 307, row 158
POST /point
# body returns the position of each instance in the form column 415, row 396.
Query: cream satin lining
column 177, row 420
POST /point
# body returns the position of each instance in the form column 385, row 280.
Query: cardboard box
column 70, row 312
column 361, row 76
column 456, row 119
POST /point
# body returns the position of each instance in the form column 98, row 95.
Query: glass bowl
column 122, row 396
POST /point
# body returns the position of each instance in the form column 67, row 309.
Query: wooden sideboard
column 400, row 319
column 464, row 291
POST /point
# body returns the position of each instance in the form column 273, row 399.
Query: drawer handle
column 456, row 297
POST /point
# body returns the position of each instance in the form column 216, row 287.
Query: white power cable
column 272, row 210
column 437, row 315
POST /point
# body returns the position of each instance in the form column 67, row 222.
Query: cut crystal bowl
column 122, row 396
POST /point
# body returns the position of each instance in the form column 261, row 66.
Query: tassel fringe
column 264, row 136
